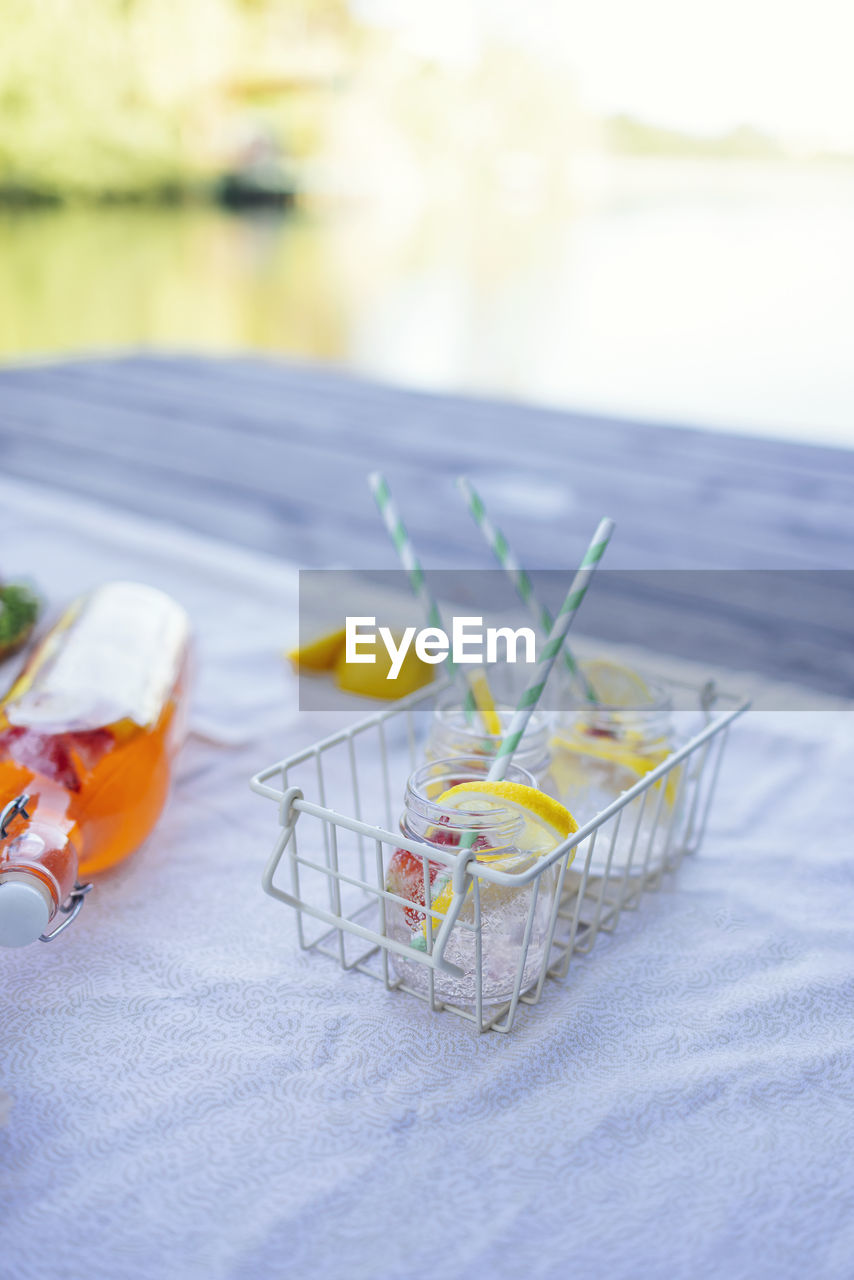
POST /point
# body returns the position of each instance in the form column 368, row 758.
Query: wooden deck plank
column 319, row 441
column 259, row 391
column 273, row 456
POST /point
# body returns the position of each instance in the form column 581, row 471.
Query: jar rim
column 462, row 769
column 449, row 704
column 662, row 701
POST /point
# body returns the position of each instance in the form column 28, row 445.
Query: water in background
column 721, row 294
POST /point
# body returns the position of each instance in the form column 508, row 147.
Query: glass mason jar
column 598, row 752
column 451, row 735
column 500, row 840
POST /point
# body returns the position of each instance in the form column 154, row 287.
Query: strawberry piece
column 45, row 754
column 448, row 838
column 452, row 838
column 56, row 755
column 90, row 746
column 406, row 879
column 406, row 872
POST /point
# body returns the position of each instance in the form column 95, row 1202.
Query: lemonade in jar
column 451, row 808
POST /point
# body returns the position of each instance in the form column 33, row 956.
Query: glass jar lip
column 449, row 709
column 465, row 769
column 661, row 701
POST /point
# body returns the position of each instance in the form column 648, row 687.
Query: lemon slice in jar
column 545, row 823
column 616, row 685
column 485, row 704
column 608, row 749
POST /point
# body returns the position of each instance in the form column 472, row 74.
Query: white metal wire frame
column 338, row 804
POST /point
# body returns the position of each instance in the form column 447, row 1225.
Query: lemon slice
column 610, row 749
column 370, row 679
column 570, row 770
column 320, row 655
column 545, row 821
column 485, row 704
column 616, row 685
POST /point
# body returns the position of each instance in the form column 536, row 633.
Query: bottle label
column 114, row 656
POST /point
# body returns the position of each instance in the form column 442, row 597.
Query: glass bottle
column 88, row 732
column 500, row 840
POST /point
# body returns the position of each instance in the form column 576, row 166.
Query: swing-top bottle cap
column 24, row 912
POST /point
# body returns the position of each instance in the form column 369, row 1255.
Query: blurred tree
column 122, row 97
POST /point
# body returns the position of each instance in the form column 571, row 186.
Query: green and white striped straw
column 412, row 565
column 503, row 553
column 528, row 701
column 551, row 649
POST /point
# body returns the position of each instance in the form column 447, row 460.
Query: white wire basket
column 338, row 803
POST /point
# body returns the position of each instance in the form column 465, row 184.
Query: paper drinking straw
column 477, row 693
column 532, row 694
column 551, row 649
column 503, row 553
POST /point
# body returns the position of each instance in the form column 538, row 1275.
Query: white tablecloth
column 191, row 1096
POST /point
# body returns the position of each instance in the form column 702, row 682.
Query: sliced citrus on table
column 372, row 679
column 320, row 654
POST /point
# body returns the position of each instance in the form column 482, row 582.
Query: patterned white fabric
column 191, row 1096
